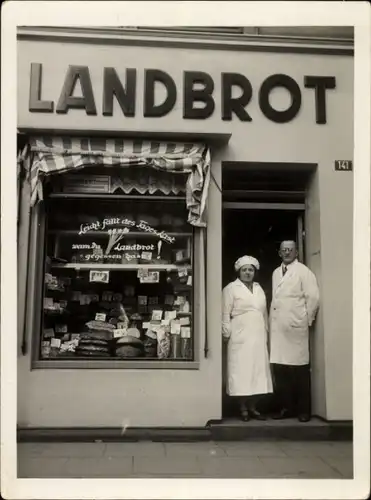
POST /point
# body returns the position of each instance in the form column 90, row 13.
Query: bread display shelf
column 121, row 267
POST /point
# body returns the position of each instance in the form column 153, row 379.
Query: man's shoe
column 257, row 415
column 282, row 415
column 304, row 418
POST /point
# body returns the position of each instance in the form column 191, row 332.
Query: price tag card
column 170, row 315
column 155, row 326
column 143, row 273
column 142, row 300
column 185, row 321
column 156, row 315
column 146, row 255
column 55, row 343
column 189, row 281
column 100, row 317
column 182, row 272
column 152, row 277
column 48, row 303
column 175, row 327
column 185, row 332
column 48, row 333
column 146, row 325
column 99, row 276
column 119, row 332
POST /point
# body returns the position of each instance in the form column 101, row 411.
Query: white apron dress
column 244, row 324
column 295, row 300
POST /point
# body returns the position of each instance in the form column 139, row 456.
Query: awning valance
column 58, row 155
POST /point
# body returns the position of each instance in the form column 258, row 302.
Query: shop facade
column 146, row 169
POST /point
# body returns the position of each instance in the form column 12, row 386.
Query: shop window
column 117, row 279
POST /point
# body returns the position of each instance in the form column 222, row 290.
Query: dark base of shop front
column 226, row 430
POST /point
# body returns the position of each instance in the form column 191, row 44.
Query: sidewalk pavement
column 248, row 459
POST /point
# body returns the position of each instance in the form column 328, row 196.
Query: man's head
column 288, row 251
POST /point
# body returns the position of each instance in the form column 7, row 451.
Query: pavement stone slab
column 344, row 465
column 39, row 467
column 141, row 449
column 73, row 450
column 233, row 468
column 30, row 449
column 317, row 449
column 206, row 449
column 117, row 467
column 313, row 467
column 185, row 466
column 252, row 449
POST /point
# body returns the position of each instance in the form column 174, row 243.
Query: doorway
column 257, row 229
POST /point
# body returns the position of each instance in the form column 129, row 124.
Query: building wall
column 169, row 397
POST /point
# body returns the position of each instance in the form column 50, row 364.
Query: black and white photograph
column 184, row 201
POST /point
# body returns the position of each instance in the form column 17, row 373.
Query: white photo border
column 185, row 13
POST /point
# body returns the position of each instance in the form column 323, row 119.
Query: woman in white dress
column 245, row 328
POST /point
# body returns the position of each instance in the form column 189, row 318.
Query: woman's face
column 247, row 273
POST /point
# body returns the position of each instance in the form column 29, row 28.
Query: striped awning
column 58, row 155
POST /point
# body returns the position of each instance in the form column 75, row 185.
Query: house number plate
column 343, row 165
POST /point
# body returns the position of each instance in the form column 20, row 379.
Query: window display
column 118, row 280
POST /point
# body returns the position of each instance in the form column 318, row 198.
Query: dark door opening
column 256, row 232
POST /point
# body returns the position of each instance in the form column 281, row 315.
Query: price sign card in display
column 99, row 276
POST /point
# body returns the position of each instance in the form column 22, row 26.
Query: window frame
column 35, row 300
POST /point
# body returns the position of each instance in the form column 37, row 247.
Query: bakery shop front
column 142, row 177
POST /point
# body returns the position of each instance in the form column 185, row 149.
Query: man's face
column 288, row 252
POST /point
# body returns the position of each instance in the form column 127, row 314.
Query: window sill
column 115, row 364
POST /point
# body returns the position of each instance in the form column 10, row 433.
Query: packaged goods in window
column 186, row 348
column 163, row 343
column 45, row 349
column 175, row 349
column 150, row 344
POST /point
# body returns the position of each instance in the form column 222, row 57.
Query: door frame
column 300, row 208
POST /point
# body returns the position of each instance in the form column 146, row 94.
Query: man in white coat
column 295, row 301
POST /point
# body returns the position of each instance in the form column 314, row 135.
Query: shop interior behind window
column 118, row 268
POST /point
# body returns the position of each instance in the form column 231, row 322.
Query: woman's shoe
column 245, row 417
column 257, row 415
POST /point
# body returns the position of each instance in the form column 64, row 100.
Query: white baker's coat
column 295, row 301
column 244, row 324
